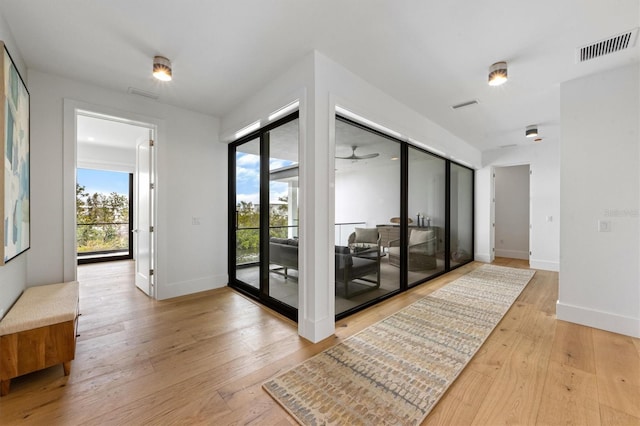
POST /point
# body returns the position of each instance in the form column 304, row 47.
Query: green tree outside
column 102, row 221
column 248, row 229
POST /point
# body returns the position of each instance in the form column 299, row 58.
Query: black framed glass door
column 263, row 211
column 403, row 216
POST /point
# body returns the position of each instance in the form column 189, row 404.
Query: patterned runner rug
column 395, row 371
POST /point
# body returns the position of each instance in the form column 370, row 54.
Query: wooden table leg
column 4, row 387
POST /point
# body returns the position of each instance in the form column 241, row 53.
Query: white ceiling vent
column 465, row 104
column 613, row 44
column 143, row 93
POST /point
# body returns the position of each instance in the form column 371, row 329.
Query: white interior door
column 144, row 223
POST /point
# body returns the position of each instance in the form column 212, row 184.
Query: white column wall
column 599, row 276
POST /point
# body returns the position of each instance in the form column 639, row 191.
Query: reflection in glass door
column 283, row 213
column 247, row 213
column 426, row 201
column 461, row 205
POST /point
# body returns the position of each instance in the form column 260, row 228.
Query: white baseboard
column 316, row 331
column 598, row 319
column 486, row 258
column 545, row 265
column 513, row 254
column 182, row 288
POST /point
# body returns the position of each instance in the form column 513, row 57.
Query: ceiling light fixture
column 531, row 131
column 498, row 74
column 162, row 68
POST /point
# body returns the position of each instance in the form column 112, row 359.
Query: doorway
column 111, row 146
column 512, row 212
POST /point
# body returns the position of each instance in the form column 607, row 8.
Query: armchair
column 421, row 250
column 364, row 239
column 350, row 267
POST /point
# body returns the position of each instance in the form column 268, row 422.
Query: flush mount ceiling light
column 531, row 131
column 498, row 74
column 162, row 68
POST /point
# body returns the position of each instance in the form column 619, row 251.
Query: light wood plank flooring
column 201, row 359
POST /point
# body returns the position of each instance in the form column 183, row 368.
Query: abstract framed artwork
column 15, row 167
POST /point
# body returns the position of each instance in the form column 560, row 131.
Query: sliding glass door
column 427, row 222
column 263, row 244
column 247, row 212
column 403, row 216
column 461, row 196
column 367, row 214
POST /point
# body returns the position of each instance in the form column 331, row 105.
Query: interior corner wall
column 13, row 275
column 600, row 186
column 544, row 191
column 191, row 182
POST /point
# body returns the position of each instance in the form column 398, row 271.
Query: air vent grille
column 143, row 93
column 465, row 104
column 610, row 45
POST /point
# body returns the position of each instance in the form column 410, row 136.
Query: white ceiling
column 100, row 131
column 427, row 54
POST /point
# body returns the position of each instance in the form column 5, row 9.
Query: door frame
column 492, row 235
column 71, row 110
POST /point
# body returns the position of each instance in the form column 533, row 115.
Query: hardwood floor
column 201, row 359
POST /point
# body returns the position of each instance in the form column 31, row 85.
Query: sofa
column 284, row 253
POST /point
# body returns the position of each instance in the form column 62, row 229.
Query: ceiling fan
column 355, row 157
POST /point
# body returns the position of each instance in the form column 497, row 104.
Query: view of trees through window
column 248, row 240
column 102, row 217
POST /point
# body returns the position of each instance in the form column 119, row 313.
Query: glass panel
column 248, row 213
column 367, row 197
column 427, row 199
column 461, row 215
column 283, row 213
column 102, row 213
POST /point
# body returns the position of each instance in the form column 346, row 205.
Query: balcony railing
column 248, row 241
column 101, row 238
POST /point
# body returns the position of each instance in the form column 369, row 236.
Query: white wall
column 369, row 194
column 512, row 212
column 600, row 157
column 427, row 182
column 191, row 183
column 544, row 189
column 13, row 275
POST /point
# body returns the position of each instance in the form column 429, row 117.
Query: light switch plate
column 604, row 226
